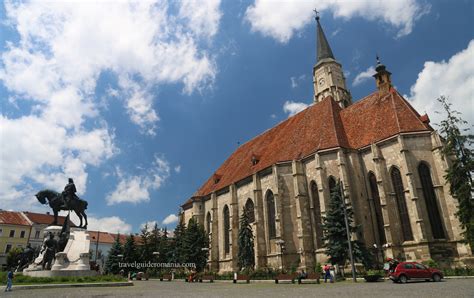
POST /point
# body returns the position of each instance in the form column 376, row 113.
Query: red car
column 406, row 271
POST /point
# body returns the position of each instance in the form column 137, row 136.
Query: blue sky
column 141, row 102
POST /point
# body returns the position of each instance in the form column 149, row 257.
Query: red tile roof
column 321, row 126
column 42, row 218
column 13, row 218
column 106, row 237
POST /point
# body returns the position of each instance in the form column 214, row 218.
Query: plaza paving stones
column 152, row 288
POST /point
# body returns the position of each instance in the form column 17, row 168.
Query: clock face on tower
column 321, row 81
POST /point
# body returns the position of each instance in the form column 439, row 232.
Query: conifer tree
column 195, row 240
column 335, row 233
column 458, row 149
column 155, row 238
column 130, row 251
column 178, row 252
column 164, row 247
column 246, row 254
column 146, row 250
column 113, row 259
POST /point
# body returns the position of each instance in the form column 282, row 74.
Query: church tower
column 328, row 78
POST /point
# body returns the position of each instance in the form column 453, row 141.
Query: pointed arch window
column 226, row 217
column 431, row 201
column 271, row 215
column 249, row 208
column 208, row 222
column 401, row 204
column 332, row 185
column 317, row 214
column 377, row 206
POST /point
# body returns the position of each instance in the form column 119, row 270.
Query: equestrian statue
column 66, row 200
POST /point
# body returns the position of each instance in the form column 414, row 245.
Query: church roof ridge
column 323, row 125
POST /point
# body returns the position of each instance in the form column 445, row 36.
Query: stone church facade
column 386, row 155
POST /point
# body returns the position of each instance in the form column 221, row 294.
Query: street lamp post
column 281, row 244
column 348, row 232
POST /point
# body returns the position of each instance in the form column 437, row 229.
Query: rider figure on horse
column 70, row 192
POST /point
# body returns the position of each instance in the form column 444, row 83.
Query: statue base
column 61, row 273
column 73, row 261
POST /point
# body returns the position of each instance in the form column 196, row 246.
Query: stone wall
column 295, row 210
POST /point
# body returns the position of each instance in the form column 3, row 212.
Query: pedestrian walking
column 9, row 281
column 327, row 273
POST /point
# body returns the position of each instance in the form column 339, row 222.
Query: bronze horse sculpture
column 57, row 202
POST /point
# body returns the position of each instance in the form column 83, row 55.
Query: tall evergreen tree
column 155, row 238
column 335, row 233
column 195, row 239
column 164, row 247
column 130, row 250
column 458, row 148
column 178, row 254
column 246, row 254
column 146, row 249
column 113, row 259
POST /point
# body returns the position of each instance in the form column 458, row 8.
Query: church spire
column 328, row 77
column 323, row 49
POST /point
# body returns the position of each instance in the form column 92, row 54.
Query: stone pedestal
column 73, row 261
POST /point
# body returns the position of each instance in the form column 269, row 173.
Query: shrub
column 431, row 263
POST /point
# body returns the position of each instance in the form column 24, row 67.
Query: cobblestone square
column 153, row 288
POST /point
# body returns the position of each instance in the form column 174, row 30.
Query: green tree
column 129, row 251
column 113, row 259
column 155, row 239
column 335, row 233
column 178, row 254
column 246, row 254
column 458, row 149
column 146, row 249
column 195, row 239
column 164, row 247
column 13, row 257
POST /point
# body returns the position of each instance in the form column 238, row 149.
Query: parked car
column 406, row 271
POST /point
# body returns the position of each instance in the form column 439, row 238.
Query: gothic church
column 386, row 155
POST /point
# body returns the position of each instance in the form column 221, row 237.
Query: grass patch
column 24, row 279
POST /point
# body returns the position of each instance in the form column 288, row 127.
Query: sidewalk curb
column 78, row 285
column 359, row 279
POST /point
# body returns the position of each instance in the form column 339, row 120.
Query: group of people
column 326, row 273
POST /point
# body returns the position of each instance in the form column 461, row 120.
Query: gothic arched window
column 332, row 185
column 249, row 208
column 208, row 222
column 271, row 215
column 401, row 204
column 226, row 217
column 431, row 201
column 377, row 206
column 317, row 213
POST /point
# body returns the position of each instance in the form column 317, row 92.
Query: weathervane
column 317, row 14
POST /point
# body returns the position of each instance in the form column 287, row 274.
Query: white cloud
column 177, row 169
column 296, row 80
column 112, row 224
column 149, row 224
column 54, row 66
column 453, row 78
column 363, row 76
column 292, row 107
column 282, row 19
column 170, row 219
column 136, row 188
column 202, row 16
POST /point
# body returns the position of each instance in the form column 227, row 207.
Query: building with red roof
column 385, row 154
column 39, row 222
column 15, row 231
